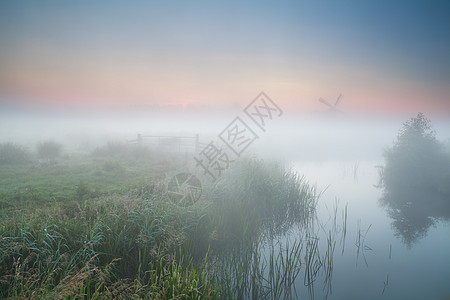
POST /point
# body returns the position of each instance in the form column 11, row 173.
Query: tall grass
column 141, row 245
column 255, row 198
column 130, row 240
column 264, row 271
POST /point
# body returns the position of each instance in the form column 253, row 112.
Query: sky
column 385, row 57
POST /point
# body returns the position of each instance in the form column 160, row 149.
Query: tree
column 416, row 160
column 416, row 170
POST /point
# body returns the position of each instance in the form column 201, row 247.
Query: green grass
column 36, row 183
column 105, row 228
column 134, row 240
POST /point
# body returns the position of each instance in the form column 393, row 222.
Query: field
column 101, row 225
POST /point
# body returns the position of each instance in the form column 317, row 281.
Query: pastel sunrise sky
column 383, row 56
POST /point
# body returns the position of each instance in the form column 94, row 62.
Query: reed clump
column 256, row 198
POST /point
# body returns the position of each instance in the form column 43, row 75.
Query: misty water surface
column 387, row 267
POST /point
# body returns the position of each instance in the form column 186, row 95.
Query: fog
column 140, row 157
column 293, row 136
column 364, row 224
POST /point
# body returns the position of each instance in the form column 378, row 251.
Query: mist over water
column 318, row 136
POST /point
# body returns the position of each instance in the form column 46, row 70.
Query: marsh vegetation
column 101, row 225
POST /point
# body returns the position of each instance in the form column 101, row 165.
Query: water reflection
column 376, row 264
column 414, row 211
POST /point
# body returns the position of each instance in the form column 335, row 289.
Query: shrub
column 49, row 149
column 111, row 149
column 12, row 154
column 121, row 151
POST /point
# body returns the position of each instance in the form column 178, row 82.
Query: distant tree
column 416, row 180
column 417, row 159
column 49, row 150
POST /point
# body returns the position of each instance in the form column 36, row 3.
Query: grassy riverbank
column 102, row 228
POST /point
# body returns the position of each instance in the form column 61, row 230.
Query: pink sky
column 74, row 55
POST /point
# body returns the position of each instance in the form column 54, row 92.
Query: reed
column 361, row 247
column 255, row 198
column 266, row 271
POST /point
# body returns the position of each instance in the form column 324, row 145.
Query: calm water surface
column 385, row 265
